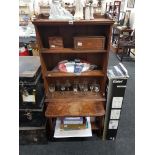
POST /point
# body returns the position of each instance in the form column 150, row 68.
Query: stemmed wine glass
column 68, row 85
column 52, row 88
column 75, row 88
column 96, row 88
column 85, row 89
column 91, row 86
column 81, row 86
column 62, row 88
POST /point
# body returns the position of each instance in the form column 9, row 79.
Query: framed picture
column 121, row 18
column 130, row 3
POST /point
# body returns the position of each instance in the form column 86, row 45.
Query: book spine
column 73, row 122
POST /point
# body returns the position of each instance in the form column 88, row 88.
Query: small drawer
column 55, row 42
column 90, row 42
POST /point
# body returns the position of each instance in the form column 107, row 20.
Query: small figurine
column 79, row 4
column 103, row 7
column 57, row 12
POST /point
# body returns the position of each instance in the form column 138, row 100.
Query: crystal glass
column 63, row 88
column 75, row 88
column 81, row 86
column 68, row 85
column 85, row 89
column 96, row 88
column 91, row 87
column 52, row 88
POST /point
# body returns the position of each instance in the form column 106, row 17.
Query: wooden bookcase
column 70, row 104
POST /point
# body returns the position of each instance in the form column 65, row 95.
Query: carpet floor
column 124, row 143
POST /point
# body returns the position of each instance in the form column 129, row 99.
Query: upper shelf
column 93, row 73
column 71, row 50
column 98, row 21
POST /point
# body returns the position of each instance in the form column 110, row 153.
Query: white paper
column 29, row 98
column 113, row 124
column 60, row 133
column 117, row 102
column 115, row 114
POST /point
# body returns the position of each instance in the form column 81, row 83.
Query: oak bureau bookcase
column 69, row 104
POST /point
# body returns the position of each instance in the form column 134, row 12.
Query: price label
column 117, row 102
column 115, row 114
column 70, row 22
column 79, row 43
column 28, row 98
column 113, row 124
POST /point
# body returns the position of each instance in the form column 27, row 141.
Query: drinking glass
column 75, row 88
column 85, row 89
column 91, row 87
column 63, row 88
column 96, row 88
column 68, row 85
column 52, row 88
column 81, row 87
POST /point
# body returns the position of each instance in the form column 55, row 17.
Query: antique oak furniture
column 68, row 103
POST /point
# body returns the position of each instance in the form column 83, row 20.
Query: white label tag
column 52, row 46
column 113, row 124
column 117, row 102
column 29, row 98
column 79, row 43
column 115, row 114
column 70, row 22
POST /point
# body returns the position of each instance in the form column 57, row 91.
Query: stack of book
column 72, row 127
column 73, row 123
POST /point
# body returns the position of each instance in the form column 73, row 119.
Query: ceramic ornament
column 79, row 4
column 57, row 12
column 103, row 7
column 87, row 12
column 91, row 12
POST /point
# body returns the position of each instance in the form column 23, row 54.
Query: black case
column 33, row 135
column 32, row 117
column 116, row 85
column 30, row 81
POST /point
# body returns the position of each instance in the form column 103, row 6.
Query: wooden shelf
column 99, row 21
column 94, row 73
column 71, row 50
column 69, row 104
column 69, row 96
column 67, row 109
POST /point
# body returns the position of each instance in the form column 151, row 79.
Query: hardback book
column 74, row 126
column 73, row 120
